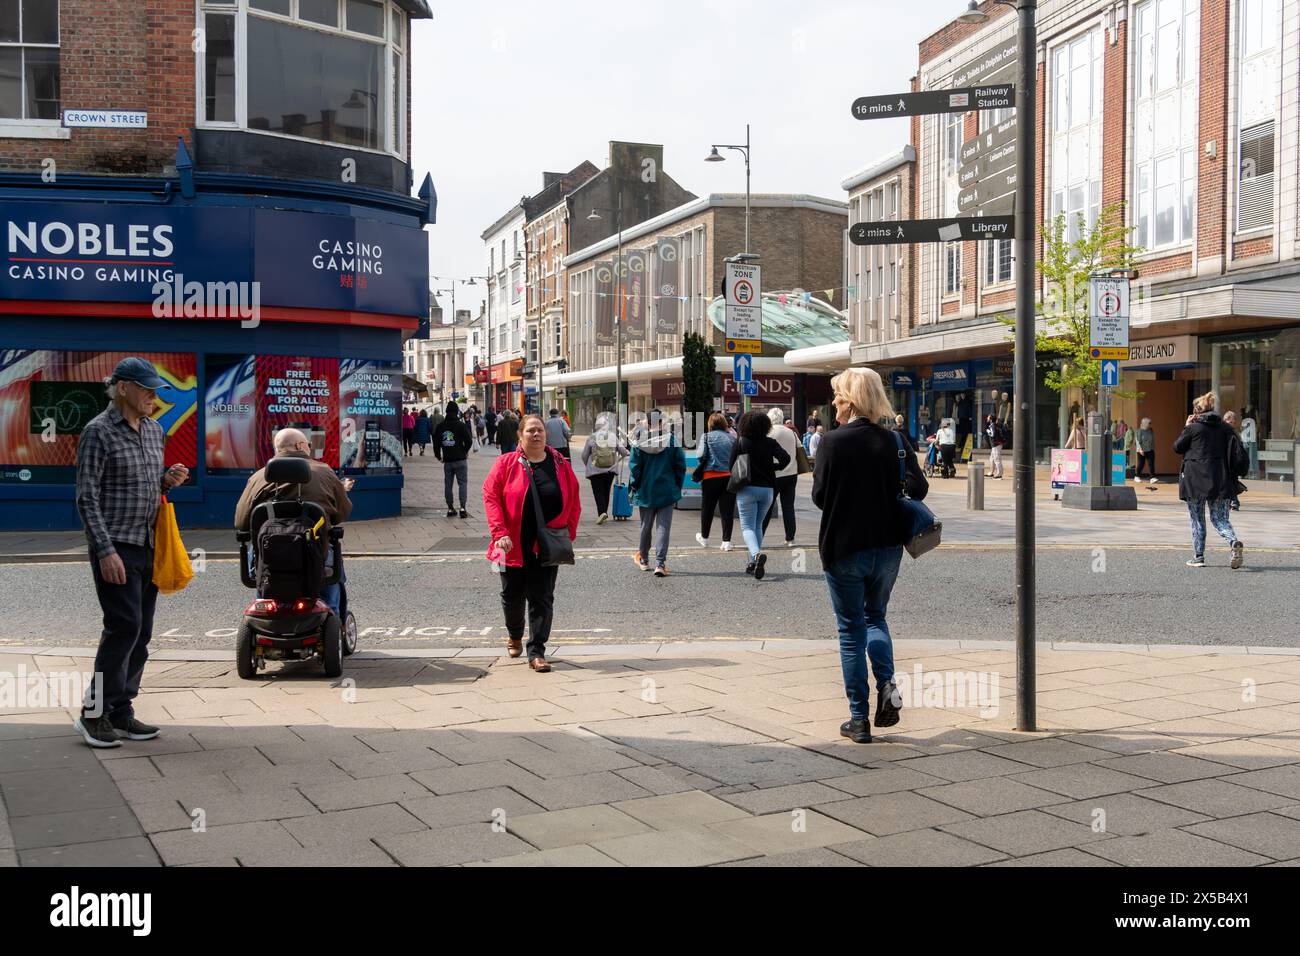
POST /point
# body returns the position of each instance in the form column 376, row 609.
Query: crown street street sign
column 932, row 230
column 935, row 101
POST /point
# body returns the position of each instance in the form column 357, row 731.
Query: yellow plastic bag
column 171, row 562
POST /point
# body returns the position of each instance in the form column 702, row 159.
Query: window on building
column 1257, row 111
column 952, row 138
column 997, row 261
column 326, row 70
column 1076, row 131
column 516, row 284
column 29, row 60
column 952, row 268
column 1166, row 72
column 558, row 328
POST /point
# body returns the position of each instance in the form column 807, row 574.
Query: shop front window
column 1258, row 377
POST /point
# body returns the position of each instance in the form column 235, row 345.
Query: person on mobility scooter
column 287, row 525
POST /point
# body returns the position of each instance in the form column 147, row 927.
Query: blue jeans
column 753, row 503
column 1218, row 516
column 860, row 584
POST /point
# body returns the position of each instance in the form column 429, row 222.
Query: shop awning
column 410, row 384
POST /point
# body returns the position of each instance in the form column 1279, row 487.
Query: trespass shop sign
column 85, row 252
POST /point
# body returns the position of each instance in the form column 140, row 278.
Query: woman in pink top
column 408, row 431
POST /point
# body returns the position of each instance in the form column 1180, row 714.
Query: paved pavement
column 726, row 754
column 1268, row 519
column 1143, row 595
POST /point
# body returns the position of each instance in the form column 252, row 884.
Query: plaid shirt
column 119, row 479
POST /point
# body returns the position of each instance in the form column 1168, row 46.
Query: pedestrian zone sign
column 744, row 308
column 1108, row 317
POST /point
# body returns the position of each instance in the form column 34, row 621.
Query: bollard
column 975, row 486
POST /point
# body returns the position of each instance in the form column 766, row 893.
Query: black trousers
column 128, row 626
column 1146, row 462
column 408, row 439
column 532, row 585
column 949, row 458
column 600, row 485
column 492, row 433
column 784, row 492
column 716, row 495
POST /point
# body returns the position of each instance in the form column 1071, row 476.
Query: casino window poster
column 370, row 397
column 47, row 397
column 250, row 398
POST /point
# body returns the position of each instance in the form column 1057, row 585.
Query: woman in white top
column 787, row 479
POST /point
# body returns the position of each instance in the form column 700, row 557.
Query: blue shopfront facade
column 263, row 303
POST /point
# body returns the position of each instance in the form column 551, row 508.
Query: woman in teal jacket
column 658, row 468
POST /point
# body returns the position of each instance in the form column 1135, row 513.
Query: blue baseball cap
column 136, row 369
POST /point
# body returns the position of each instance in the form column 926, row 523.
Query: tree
column 699, row 374
column 1066, row 266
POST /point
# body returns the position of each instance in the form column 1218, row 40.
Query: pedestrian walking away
column 600, row 455
column 856, row 486
column 423, row 430
column 814, row 442
column 1230, row 419
column 948, row 447
column 490, row 419
column 518, row 486
column 324, row 488
column 558, row 433
column 408, row 431
column 787, row 479
column 1145, row 443
column 765, row 457
column 1213, row 458
column 507, row 432
column 657, row 467
column 120, row 477
column 451, row 446
column 714, row 473
column 997, row 438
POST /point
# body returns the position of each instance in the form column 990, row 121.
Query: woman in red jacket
column 512, row 523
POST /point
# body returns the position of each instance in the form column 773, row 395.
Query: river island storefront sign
column 81, row 252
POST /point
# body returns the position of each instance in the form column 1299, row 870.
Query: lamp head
column 974, row 14
column 594, row 217
column 714, row 156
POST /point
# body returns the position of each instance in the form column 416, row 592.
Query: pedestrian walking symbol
column 742, row 369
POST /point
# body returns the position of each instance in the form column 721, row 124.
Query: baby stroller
column 933, row 460
column 283, row 557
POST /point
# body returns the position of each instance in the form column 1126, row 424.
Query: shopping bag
column 171, row 562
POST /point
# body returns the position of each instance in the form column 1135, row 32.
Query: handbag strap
column 533, row 495
column 902, row 463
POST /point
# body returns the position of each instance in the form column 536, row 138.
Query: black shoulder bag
column 553, row 545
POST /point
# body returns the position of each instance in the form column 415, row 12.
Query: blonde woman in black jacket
column 1212, row 458
column 856, row 486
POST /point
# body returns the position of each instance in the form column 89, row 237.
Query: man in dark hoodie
column 451, row 444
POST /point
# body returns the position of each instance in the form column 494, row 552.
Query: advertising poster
column 370, row 423
column 634, row 295
column 47, row 397
column 667, row 286
column 604, row 275
column 301, row 393
column 1067, row 466
column 230, row 415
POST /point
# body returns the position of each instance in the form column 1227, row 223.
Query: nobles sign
column 82, row 252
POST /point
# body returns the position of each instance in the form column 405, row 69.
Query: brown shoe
column 540, row 665
column 515, row 648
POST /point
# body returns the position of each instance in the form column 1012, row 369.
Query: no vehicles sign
column 1108, row 317
column 744, row 308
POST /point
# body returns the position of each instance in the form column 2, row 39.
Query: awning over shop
column 410, row 384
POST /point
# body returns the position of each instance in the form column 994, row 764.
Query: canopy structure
column 795, row 323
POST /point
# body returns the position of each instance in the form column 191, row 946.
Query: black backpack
column 291, row 557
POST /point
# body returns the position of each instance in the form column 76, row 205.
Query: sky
column 505, row 89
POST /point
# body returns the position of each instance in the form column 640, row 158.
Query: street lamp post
column 466, row 281
column 618, row 305
column 716, row 157
column 1024, row 428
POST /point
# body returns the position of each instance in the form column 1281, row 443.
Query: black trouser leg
column 712, row 490
column 513, row 594
column 128, row 626
column 785, row 489
column 541, row 605
column 600, row 485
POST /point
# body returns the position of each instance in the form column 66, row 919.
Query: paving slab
column 1125, row 814
column 986, row 798
column 919, row 848
column 1164, row 766
column 130, row 851
column 566, row 856
column 343, row 826
column 784, row 832
column 84, row 788
column 583, row 790
column 1067, row 857
column 78, row 826
column 448, row 846
column 789, row 797
column 886, row 813
column 471, row 806
column 1284, row 781
column 1173, row 848
column 818, row 857
column 1024, row 832
column 186, row 846
column 1268, row 834
column 1216, row 798
column 1083, row 780
column 684, row 847
column 588, row 824
column 371, row 791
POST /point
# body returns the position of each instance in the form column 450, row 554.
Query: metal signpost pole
column 1024, row 428
column 618, row 317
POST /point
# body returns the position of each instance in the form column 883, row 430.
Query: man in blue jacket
column 657, row 468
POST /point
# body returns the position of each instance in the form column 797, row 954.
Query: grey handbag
column 740, row 475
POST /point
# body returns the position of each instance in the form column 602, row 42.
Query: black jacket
column 762, row 454
column 507, row 431
column 1208, row 446
column 855, row 484
column 451, row 439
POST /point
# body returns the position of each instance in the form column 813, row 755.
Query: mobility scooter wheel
column 332, row 646
column 245, row 653
column 349, row 634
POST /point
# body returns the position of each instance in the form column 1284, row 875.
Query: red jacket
column 505, row 496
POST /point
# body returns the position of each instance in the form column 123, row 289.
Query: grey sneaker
column 98, row 731
column 133, row 729
column 858, row 731
column 1238, row 555
column 1196, row 563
